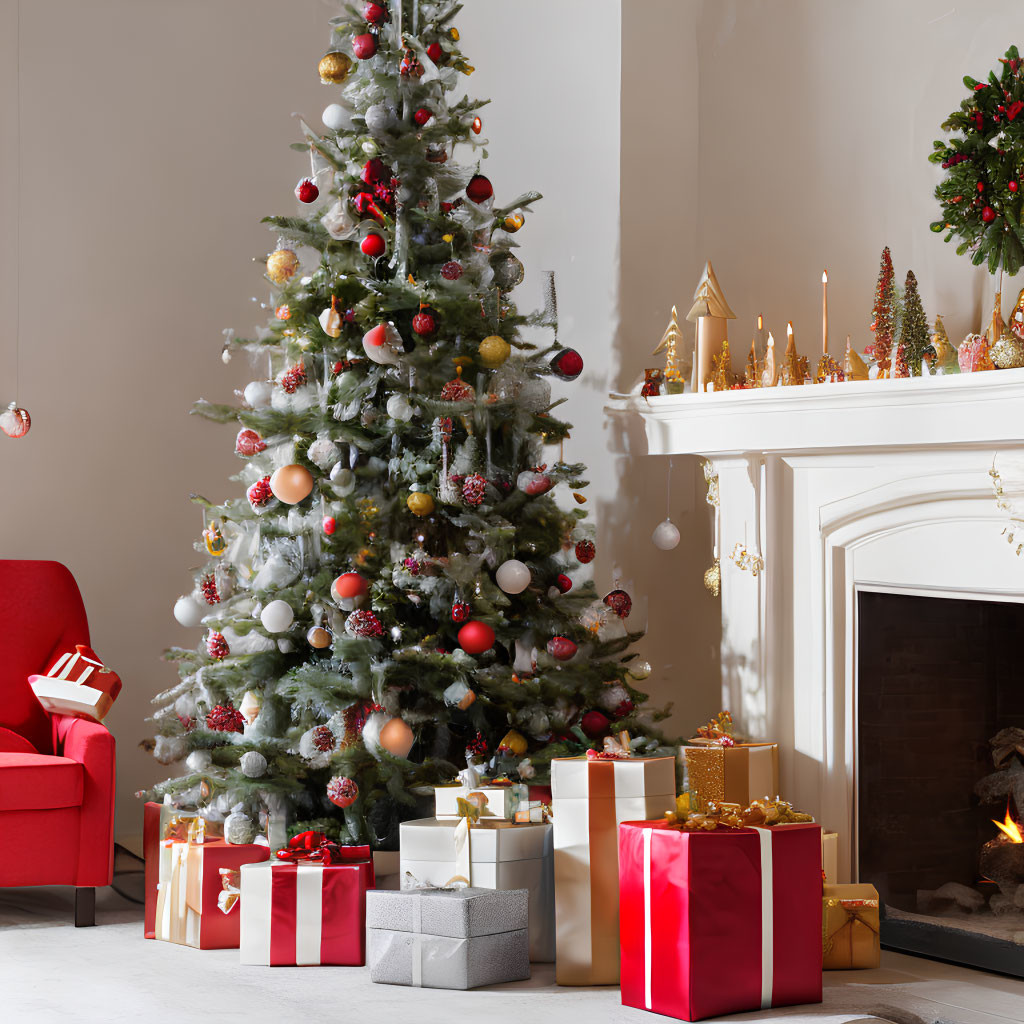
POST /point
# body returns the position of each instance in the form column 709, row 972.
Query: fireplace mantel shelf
column 970, row 408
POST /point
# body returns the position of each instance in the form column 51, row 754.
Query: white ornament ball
column 253, row 764
column 370, row 148
column 277, row 616
column 383, row 344
column 198, row 760
column 188, row 611
column 638, row 670
column 379, row 118
column 239, row 829
column 343, row 479
column 258, row 394
column 513, row 576
column 665, row 535
column 336, row 117
column 399, row 408
column 323, row 453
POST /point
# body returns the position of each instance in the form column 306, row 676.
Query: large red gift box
column 308, row 908
column 719, row 922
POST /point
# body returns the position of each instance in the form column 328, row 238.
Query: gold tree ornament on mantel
column 675, row 374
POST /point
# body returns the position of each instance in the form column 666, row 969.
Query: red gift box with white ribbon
column 722, row 921
column 308, row 907
column 77, row 684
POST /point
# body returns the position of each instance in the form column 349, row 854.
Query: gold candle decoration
column 794, row 369
column 824, row 312
column 754, row 367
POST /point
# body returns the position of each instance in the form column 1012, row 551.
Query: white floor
column 51, row 971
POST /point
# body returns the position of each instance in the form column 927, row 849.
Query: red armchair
column 56, row 772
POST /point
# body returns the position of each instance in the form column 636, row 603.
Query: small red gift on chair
column 77, row 684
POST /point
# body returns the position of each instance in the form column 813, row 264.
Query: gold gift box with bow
column 849, row 927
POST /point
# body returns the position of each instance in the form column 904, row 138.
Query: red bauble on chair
column 56, row 771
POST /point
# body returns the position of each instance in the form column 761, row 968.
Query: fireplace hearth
column 940, row 726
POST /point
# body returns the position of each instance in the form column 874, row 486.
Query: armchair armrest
column 92, row 746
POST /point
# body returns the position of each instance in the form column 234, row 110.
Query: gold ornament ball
column 281, row 265
column 334, row 67
column 493, row 351
column 513, row 222
column 1008, row 352
column 420, row 503
column 291, row 484
column 318, row 637
column 713, row 578
column 515, row 742
column 396, row 737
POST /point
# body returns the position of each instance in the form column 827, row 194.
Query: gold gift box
column 849, row 927
column 733, row 775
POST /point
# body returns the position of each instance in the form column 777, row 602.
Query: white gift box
column 590, row 799
column 489, row 855
column 496, row 801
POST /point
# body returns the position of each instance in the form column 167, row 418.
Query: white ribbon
column 647, row 917
column 767, row 918
column 417, row 944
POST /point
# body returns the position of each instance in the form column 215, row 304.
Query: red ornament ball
column 422, row 116
column 342, row 791
column 477, row 126
column 364, row 46
column 596, row 725
column 567, row 364
column 479, row 188
column 364, row 623
column 988, row 215
column 330, row 525
column 451, row 271
column 460, row 611
column 1013, row 186
column 563, row 583
column 373, row 245
column 306, row 191
column 15, row 422
column 474, row 489
column 476, row 637
column 350, row 585
column 561, row 648
column 624, row 709
column 434, row 51
column 373, row 171
column 424, row 324
column 260, row 493
column 620, row 602
column 375, row 14
column 216, row 645
column 249, row 443
column 981, row 186
column 225, row 718
column 585, row 551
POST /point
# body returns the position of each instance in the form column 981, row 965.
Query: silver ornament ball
column 665, row 535
column 253, row 764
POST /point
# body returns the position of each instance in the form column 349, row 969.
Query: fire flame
column 1010, row 828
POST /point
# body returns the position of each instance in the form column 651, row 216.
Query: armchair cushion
column 14, row 743
column 39, row 782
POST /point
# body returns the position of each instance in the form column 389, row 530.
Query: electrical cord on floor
column 134, row 872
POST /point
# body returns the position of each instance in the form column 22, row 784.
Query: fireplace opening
column 940, row 774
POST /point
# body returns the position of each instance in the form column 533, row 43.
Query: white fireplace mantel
column 874, row 485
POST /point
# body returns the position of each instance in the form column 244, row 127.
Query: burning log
column 1002, row 858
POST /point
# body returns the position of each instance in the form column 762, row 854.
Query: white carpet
column 51, row 971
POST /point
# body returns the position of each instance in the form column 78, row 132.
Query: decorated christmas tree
column 883, row 323
column 981, row 191
column 914, row 335
column 400, row 579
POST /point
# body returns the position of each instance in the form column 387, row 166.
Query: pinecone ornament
column 294, row 378
column 342, row 791
column 585, row 551
column 208, row 586
column 323, row 738
column 225, row 718
column 362, row 622
column 620, row 602
column 260, row 493
column 473, row 489
column 217, row 646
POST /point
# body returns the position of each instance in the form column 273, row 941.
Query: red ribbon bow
column 315, row 846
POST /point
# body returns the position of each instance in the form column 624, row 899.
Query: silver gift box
column 447, row 938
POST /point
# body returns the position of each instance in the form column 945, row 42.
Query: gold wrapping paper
column 735, row 775
column 849, row 927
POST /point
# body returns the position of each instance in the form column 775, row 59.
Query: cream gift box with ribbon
column 493, row 801
column 490, row 854
column 447, row 938
column 590, row 798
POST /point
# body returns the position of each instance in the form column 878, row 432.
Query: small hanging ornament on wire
column 666, row 534
column 713, row 574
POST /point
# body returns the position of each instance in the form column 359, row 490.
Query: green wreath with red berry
column 981, row 193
